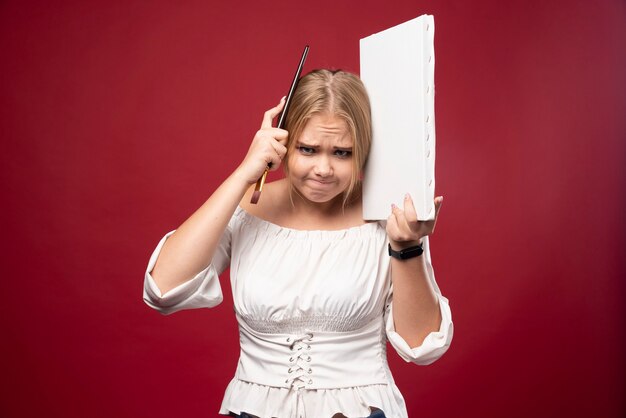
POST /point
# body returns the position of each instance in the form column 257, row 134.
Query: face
column 320, row 165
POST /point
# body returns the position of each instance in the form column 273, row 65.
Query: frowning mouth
column 321, row 182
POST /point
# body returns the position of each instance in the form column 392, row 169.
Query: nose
column 323, row 167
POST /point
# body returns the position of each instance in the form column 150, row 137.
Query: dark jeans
column 376, row 414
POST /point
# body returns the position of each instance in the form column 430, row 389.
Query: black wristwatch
column 407, row 253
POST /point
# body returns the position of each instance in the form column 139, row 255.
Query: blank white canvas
column 397, row 68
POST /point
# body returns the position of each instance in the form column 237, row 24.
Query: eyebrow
column 304, row 144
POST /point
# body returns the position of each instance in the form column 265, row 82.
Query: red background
column 118, row 119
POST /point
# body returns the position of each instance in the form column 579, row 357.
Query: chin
column 316, row 196
column 319, row 193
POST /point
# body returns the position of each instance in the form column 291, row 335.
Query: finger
column 274, row 156
column 438, row 203
column 271, row 135
column 269, row 116
column 274, row 162
column 280, row 150
column 403, row 232
column 402, row 216
column 280, row 135
column 392, row 227
column 410, row 214
column 396, row 212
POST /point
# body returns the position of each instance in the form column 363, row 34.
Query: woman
column 311, row 279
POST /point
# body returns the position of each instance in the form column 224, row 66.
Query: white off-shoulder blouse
column 315, row 312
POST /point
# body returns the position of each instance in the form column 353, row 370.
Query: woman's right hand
column 268, row 147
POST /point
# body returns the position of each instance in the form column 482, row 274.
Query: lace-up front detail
column 312, row 360
column 300, row 371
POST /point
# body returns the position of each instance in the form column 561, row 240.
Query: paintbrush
column 281, row 123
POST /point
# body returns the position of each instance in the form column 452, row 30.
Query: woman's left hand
column 403, row 228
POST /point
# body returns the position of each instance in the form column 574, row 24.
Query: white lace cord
column 299, row 369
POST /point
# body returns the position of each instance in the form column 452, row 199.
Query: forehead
column 326, row 127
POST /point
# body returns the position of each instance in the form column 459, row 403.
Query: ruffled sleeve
column 202, row 291
column 436, row 343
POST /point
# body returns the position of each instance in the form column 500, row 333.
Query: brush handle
column 283, row 116
column 281, row 123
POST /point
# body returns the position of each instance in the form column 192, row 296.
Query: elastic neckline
column 358, row 230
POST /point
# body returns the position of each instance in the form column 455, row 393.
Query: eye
column 306, row 150
column 341, row 153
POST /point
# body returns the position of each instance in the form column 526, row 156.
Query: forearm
column 416, row 310
column 192, row 246
column 189, row 250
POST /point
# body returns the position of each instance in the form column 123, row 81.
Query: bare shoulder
column 273, row 199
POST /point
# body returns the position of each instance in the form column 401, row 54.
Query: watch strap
column 406, row 253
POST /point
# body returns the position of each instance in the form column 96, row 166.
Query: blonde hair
column 341, row 94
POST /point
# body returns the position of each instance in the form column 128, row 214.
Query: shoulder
column 273, row 199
